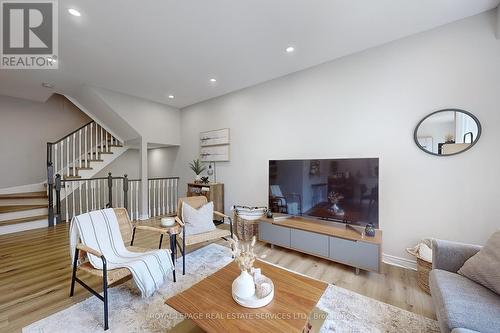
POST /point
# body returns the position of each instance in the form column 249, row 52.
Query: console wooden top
column 323, row 227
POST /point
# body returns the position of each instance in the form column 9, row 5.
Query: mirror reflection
column 447, row 132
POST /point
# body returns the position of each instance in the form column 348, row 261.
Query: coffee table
column 210, row 306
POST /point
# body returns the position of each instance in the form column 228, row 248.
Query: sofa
column 462, row 305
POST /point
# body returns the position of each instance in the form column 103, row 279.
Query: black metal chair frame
column 183, row 247
column 103, row 298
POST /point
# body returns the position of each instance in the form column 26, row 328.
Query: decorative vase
column 197, row 179
column 369, row 230
column 244, row 285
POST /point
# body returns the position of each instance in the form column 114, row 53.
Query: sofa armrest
column 450, row 256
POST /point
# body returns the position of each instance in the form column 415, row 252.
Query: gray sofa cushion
column 462, row 303
column 484, row 267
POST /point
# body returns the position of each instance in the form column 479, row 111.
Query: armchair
column 109, row 277
column 187, row 240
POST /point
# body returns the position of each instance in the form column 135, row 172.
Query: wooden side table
column 172, row 231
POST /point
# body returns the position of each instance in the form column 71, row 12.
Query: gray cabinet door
column 357, row 254
column 309, row 242
column 274, row 234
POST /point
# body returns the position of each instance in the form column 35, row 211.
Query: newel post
column 58, row 198
column 50, row 189
column 110, row 191
column 125, row 192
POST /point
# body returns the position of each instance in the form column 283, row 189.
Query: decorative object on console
column 447, row 132
column 246, row 219
column 204, row 180
column 212, row 172
column 370, row 230
column 197, row 168
column 269, row 214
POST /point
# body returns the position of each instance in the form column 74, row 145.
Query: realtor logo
column 29, row 34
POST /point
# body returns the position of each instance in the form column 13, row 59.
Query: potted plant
column 197, row 168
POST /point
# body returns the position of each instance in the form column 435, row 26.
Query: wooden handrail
column 70, row 134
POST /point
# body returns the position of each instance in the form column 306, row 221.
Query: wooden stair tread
column 24, row 220
column 72, row 177
column 81, row 168
column 26, row 195
column 93, row 160
column 100, row 152
column 19, row 208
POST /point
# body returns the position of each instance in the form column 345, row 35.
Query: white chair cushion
column 199, row 220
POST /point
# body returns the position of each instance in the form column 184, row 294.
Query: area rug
column 347, row 311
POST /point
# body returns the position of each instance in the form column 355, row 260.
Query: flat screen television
column 340, row 190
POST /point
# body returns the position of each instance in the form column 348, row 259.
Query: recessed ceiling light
column 74, row 12
column 290, row 49
column 213, row 80
column 171, row 96
column 47, row 85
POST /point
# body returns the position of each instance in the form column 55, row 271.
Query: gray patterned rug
column 347, row 311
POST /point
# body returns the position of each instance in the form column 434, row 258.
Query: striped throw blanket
column 100, row 231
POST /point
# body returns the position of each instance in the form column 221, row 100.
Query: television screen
column 342, row 190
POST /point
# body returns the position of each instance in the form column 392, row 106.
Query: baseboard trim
column 399, row 262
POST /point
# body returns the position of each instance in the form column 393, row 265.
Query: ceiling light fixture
column 47, row 85
column 74, row 12
column 171, row 96
column 290, row 49
column 213, row 80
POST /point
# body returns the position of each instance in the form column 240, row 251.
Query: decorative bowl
column 254, row 302
column 167, row 222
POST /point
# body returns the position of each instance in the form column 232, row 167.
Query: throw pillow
column 484, row 267
column 198, row 220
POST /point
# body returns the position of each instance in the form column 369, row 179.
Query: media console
column 324, row 239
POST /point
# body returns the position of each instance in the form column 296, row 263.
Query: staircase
column 79, row 155
column 23, row 211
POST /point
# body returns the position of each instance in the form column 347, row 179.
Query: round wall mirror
column 447, row 132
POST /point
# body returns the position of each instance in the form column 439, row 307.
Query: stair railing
column 78, row 196
column 75, row 151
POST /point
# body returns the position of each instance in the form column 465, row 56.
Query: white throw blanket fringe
column 100, row 231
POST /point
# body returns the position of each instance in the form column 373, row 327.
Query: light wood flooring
column 35, row 272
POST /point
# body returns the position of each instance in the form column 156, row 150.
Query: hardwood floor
column 35, row 272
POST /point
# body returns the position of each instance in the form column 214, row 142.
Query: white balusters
column 87, row 196
column 79, row 148
column 137, row 200
column 91, row 145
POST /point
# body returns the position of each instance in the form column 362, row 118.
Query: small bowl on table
column 167, row 222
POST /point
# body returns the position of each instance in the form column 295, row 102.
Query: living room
column 309, row 125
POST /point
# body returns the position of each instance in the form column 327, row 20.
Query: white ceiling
column 153, row 48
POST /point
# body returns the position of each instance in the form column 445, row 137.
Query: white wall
column 160, row 163
column 366, row 105
column 25, row 128
column 155, row 122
